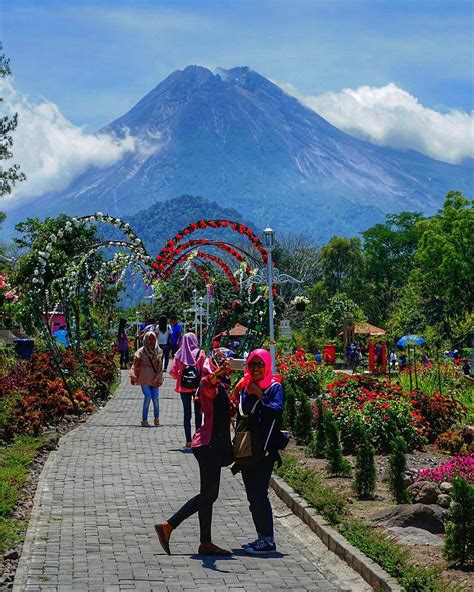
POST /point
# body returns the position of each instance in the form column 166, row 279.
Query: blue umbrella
column 410, row 339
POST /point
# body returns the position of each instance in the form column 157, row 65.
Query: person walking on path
column 122, row 343
column 212, row 448
column 176, row 334
column 163, row 332
column 189, row 355
column 147, row 371
column 62, row 336
column 261, row 396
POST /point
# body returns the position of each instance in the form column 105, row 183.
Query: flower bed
column 458, row 466
column 34, row 394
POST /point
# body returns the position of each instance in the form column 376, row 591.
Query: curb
column 372, row 573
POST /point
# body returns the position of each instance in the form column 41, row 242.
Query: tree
column 317, row 444
column 330, row 321
column 459, row 545
column 397, row 466
column 34, row 236
column 365, row 472
column 303, row 419
column 337, row 464
column 444, row 263
column 389, row 250
column 12, row 174
column 341, row 261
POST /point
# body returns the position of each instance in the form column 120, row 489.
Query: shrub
column 317, row 444
column 383, row 408
column 365, row 472
column 455, row 441
column 440, row 411
column 303, row 374
column 397, row 465
column 459, row 466
column 289, row 413
column 459, row 545
column 337, row 464
column 302, row 429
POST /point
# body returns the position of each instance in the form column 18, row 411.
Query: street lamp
column 201, row 312
column 269, row 245
column 195, row 293
column 270, row 276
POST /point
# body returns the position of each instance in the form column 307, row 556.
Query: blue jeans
column 166, row 355
column 151, row 394
column 187, row 399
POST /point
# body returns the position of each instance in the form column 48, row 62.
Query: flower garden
column 370, row 412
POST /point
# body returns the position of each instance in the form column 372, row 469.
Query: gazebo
column 368, row 329
column 237, row 330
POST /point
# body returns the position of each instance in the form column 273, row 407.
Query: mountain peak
column 236, row 137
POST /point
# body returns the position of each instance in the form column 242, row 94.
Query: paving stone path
column 107, row 484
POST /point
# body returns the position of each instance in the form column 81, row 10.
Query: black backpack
column 191, row 377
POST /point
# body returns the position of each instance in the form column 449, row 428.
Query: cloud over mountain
column 52, row 151
column 391, row 116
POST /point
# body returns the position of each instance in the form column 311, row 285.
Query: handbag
column 248, row 445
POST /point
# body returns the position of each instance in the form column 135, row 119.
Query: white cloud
column 52, row 151
column 390, row 116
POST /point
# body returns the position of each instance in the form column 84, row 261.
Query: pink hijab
column 189, row 350
column 268, row 378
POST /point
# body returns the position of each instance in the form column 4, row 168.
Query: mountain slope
column 237, row 138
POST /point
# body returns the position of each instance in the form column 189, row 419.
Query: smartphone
column 237, row 364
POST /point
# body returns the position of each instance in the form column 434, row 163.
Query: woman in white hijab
column 147, row 371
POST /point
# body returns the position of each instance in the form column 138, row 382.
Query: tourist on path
column 261, row 396
column 176, row 335
column 163, row 332
column 147, row 371
column 212, row 448
column 62, row 336
column 188, row 355
column 122, row 344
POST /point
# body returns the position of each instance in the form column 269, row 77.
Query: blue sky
column 397, row 73
column 96, row 59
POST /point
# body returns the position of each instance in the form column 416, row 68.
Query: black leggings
column 210, row 460
column 123, row 357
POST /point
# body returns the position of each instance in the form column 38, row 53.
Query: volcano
column 238, row 139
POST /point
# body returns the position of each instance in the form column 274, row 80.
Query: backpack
column 191, row 377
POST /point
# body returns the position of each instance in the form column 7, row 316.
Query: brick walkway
column 108, row 483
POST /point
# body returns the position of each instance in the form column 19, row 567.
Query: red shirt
column 207, row 393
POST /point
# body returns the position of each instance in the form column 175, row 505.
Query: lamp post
column 269, row 245
column 270, row 276
column 195, row 293
column 208, row 300
column 201, row 312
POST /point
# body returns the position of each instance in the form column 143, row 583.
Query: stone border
column 372, row 573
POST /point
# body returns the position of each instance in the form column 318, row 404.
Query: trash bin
column 329, row 354
column 24, row 348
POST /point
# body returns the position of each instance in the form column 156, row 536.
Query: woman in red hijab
column 262, row 397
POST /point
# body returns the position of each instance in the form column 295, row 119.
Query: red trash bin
column 329, row 354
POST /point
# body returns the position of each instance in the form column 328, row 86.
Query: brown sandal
column 163, row 537
column 209, row 548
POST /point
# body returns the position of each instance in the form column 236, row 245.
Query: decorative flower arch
column 241, row 229
column 202, row 255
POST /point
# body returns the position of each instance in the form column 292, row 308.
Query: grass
column 332, row 504
column 466, row 397
column 14, row 468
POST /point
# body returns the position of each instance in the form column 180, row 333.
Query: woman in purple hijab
column 188, row 359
